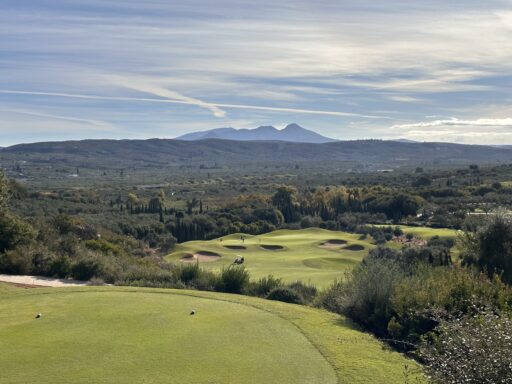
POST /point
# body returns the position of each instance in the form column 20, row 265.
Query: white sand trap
column 333, row 244
column 203, row 256
column 41, row 281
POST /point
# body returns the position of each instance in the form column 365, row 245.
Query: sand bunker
column 203, row 256
column 272, row 247
column 236, row 247
column 40, row 281
column 333, row 243
column 354, row 247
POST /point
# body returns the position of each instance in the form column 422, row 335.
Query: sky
column 131, row 69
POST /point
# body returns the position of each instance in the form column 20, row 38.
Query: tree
column 4, row 191
column 396, row 206
column 489, row 247
column 14, row 232
column 191, row 204
column 132, row 200
column 285, row 200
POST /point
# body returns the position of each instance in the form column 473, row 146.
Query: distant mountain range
column 292, row 133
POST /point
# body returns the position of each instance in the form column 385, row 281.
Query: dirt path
column 41, row 281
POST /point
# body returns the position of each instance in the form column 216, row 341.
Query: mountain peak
column 292, row 133
column 294, row 127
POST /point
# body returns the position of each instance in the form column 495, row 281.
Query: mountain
column 292, row 133
column 363, row 155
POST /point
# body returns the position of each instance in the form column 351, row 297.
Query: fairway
column 128, row 335
column 426, row 232
column 312, row 255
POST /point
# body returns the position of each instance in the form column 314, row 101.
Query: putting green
column 289, row 254
column 135, row 335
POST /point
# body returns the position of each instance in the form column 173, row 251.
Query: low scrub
column 286, row 294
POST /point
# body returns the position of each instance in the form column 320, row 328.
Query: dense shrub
column 187, row 272
column 489, row 247
column 263, row 286
column 14, row 232
column 16, row 262
column 233, row 279
column 306, row 291
column 285, row 294
column 86, row 268
column 473, row 348
column 398, row 295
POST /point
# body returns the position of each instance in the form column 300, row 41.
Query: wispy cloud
column 96, row 123
column 506, row 122
column 191, row 101
column 144, row 85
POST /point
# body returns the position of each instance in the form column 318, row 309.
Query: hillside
column 363, row 154
column 292, row 133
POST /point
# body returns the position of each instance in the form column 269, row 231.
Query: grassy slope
column 130, row 335
column 302, row 258
column 427, row 232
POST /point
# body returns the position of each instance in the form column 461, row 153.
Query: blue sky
column 440, row 71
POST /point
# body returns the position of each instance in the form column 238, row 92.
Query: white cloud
column 191, row 101
column 145, row 85
column 506, row 122
column 96, row 123
column 491, row 131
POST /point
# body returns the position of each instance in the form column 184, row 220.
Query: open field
column 311, row 255
column 129, row 335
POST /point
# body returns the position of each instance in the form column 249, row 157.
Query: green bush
column 474, row 348
column 205, row 281
column 233, row 279
column 307, row 292
column 60, row 266
column 187, row 272
column 16, row 262
column 285, row 294
column 489, row 247
column 263, row 286
column 14, row 232
column 86, row 268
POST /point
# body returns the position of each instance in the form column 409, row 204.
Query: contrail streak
column 170, row 101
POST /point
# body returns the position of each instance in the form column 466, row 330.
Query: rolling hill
column 361, row 154
column 291, row 133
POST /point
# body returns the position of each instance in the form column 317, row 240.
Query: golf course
column 316, row 256
column 141, row 335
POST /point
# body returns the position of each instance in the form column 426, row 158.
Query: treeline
column 335, row 208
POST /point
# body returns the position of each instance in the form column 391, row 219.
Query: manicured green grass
column 134, row 335
column 427, row 232
column 302, row 257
